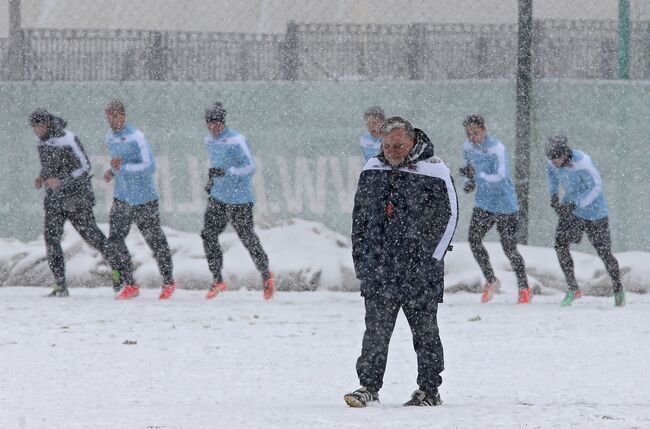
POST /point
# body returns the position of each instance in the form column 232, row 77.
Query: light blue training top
column 229, row 150
column 369, row 146
column 134, row 183
column 495, row 191
column 581, row 184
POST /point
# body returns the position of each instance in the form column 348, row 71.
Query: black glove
column 562, row 209
column 216, row 172
column 467, row 171
column 555, row 202
column 469, row 187
column 212, row 173
column 208, row 186
column 567, row 208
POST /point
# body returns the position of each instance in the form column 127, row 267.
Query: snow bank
column 304, row 256
column 544, row 272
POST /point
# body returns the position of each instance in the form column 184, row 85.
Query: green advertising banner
column 304, row 137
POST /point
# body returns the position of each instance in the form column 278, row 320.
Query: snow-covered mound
column 304, row 256
column 544, row 272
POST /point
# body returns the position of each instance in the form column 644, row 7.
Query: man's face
column 40, row 130
column 215, row 128
column 475, row 134
column 116, row 120
column 373, row 123
column 559, row 162
column 397, row 145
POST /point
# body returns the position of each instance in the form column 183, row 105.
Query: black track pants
column 482, row 221
column 81, row 216
column 147, row 219
column 217, row 215
column 381, row 315
column 569, row 230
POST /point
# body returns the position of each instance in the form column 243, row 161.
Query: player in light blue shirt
column 582, row 208
column 135, row 200
column 370, row 142
column 230, row 199
column 487, row 172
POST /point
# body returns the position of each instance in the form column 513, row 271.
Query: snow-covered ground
column 241, row 362
column 238, row 361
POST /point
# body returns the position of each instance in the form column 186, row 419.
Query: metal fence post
column 16, row 42
column 128, row 65
column 415, row 50
column 644, row 73
column 623, row 39
column 608, row 53
column 481, row 57
column 290, row 60
column 523, row 127
column 157, row 64
column 244, row 59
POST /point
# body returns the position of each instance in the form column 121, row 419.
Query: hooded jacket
column 63, row 157
column 403, row 221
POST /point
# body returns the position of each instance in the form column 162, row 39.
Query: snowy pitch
column 89, row 361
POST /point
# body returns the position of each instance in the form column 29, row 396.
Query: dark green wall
column 304, row 136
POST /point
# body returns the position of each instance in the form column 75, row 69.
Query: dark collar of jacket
column 422, row 149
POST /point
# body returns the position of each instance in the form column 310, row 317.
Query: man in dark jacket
column 68, row 193
column 405, row 214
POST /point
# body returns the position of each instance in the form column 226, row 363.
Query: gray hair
column 395, row 122
column 374, row 112
column 474, row 119
column 116, row 106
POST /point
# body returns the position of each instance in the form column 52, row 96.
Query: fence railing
column 562, row 49
column 5, row 71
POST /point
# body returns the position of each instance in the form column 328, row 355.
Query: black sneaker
column 361, row 397
column 59, row 291
column 420, row 398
